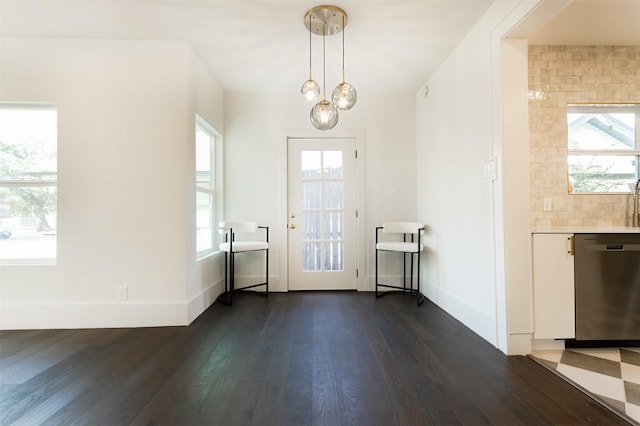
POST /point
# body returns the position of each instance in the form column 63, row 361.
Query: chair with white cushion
column 240, row 237
column 404, row 238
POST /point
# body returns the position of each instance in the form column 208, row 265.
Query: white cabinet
column 553, row 286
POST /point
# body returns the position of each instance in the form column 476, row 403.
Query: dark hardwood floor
column 312, row 358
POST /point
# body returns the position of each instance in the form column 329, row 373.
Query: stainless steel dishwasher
column 607, row 280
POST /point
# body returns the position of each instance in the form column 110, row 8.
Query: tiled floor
column 611, row 375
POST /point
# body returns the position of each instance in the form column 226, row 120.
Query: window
column 603, row 148
column 205, row 186
column 28, row 182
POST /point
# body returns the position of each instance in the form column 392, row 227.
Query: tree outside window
column 603, row 148
column 28, row 181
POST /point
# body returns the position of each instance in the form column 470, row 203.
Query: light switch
column 489, row 169
column 546, row 205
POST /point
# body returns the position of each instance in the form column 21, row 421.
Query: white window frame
column 604, row 109
column 35, row 183
column 202, row 125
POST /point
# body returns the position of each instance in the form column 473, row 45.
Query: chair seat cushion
column 399, row 246
column 245, row 246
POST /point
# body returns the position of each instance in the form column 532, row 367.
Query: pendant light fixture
column 344, row 95
column 310, row 89
column 324, row 114
column 327, row 20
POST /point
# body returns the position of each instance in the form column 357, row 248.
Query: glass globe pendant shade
column 344, row 96
column 310, row 90
column 324, row 115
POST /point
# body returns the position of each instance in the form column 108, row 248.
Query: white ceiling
column 593, row 22
column 262, row 45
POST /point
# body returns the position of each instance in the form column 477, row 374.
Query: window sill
column 29, row 262
column 206, row 255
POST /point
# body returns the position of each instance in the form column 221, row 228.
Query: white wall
column 454, row 132
column 205, row 277
column 125, row 141
column 477, row 260
column 256, row 127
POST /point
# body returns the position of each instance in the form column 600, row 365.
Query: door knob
column 292, row 226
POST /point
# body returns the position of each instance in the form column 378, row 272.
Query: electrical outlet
column 546, row 205
column 123, row 293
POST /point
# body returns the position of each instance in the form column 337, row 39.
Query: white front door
column 322, row 214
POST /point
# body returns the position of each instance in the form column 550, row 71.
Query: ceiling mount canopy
column 327, row 20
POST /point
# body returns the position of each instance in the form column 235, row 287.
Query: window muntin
column 28, row 182
column 603, row 151
column 205, row 186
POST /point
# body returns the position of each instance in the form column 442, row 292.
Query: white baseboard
column 480, row 323
column 107, row 315
column 92, row 315
column 200, row 302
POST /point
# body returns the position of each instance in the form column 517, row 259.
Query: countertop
column 588, row 230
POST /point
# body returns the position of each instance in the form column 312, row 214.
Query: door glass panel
column 311, row 164
column 310, row 226
column 333, row 225
column 311, row 255
column 332, row 164
column 332, row 194
column 322, row 214
column 311, row 195
column 333, row 256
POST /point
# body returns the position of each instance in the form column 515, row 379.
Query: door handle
column 292, row 226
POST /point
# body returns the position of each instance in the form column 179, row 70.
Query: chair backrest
column 402, row 228
column 249, row 227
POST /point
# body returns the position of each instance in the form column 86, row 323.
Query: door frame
column 282, row 230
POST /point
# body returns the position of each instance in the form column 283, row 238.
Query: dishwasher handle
column 613, row 247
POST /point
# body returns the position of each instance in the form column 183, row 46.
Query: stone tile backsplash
column 562, row 75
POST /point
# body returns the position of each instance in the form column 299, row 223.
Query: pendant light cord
column 324, row 66
column 343, row 29
column 310, row 48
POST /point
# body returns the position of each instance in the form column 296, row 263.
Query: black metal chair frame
column 404, row 289
column 229, row 265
